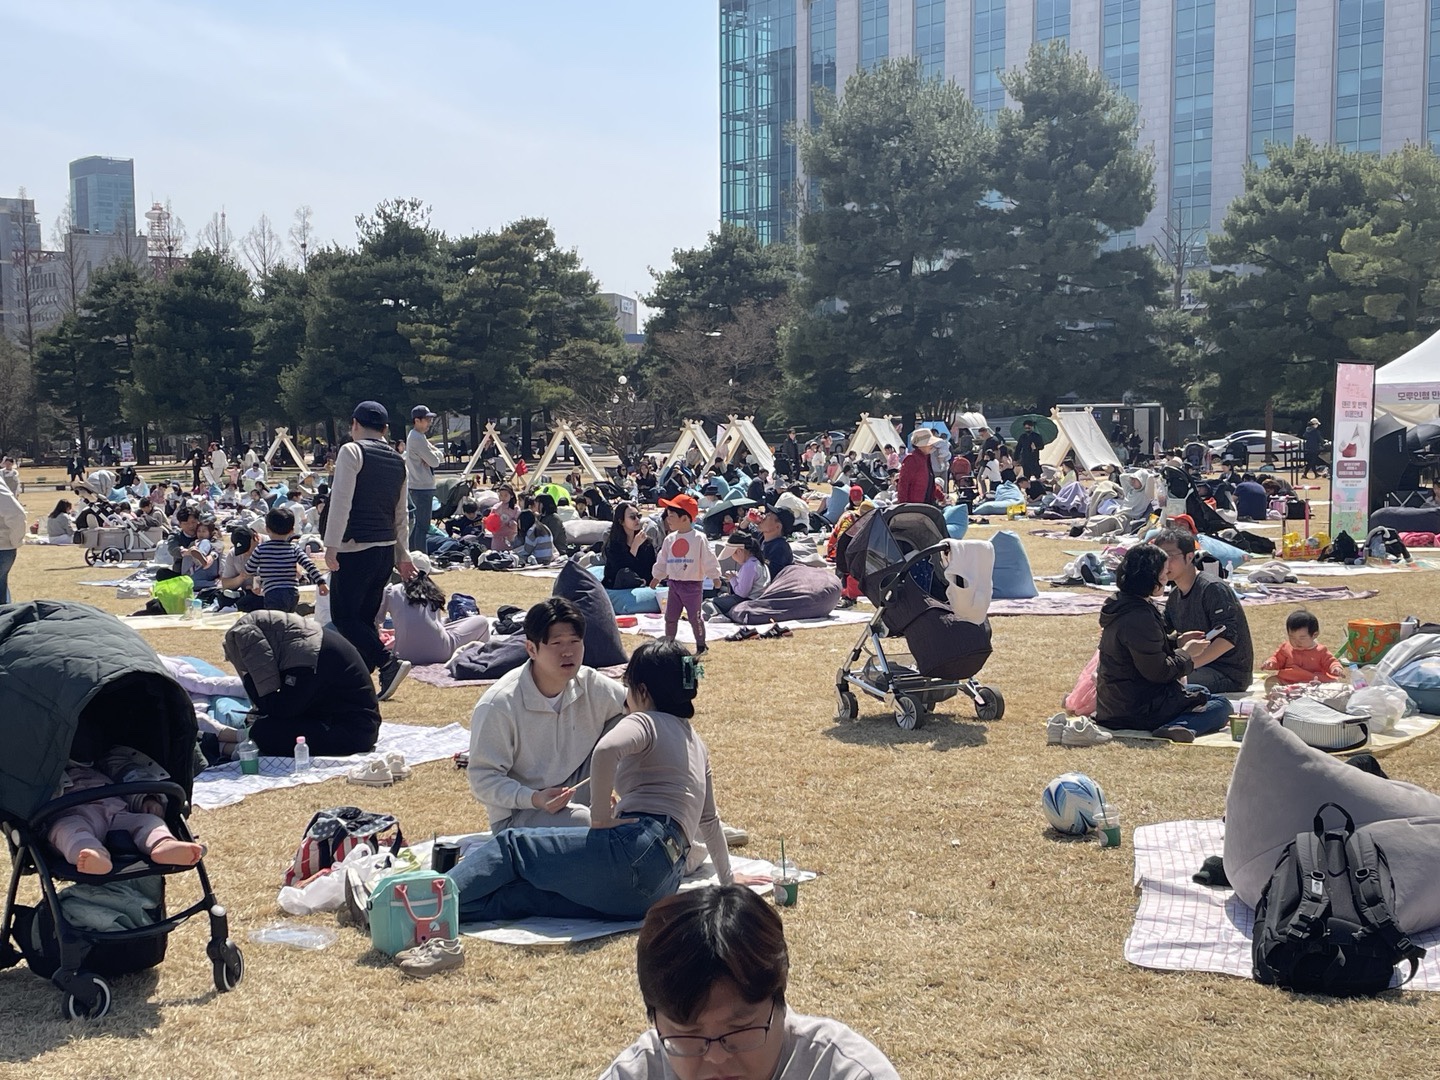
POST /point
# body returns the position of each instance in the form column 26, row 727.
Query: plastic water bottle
column 197, row 607
column 302, row 755
column 1357, row 680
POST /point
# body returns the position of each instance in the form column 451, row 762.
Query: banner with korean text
column 1350, row 456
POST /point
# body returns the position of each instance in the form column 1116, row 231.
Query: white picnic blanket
column 1185, row 926
column 1304, row 568
column 226, row 785
column 719, row 628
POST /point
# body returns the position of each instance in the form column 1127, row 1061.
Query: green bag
column 174, row 594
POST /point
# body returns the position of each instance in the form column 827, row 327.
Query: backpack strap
column 1313, row 910
column 1370, row 901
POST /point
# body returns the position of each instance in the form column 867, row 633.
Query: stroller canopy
column 881, row 540
column 59, row 661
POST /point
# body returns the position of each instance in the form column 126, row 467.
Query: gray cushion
column 797, row 592
column 582, row 532
column 1277, row 786
column 602, row 636
column 489, row 659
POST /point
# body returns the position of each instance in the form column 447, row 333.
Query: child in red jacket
column 1302, row 658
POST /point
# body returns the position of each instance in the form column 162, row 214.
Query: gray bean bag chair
column 486, row 660
column 584, row 532
column 602, row 636
column 797, row 592
column 1277, row 786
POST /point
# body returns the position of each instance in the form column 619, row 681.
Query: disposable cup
column 1238, row 723
column 250, row 762
column 787, row 892
column 1109, row 827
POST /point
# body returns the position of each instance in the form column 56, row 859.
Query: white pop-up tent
column 740, row 433
column 1408, row 387
column 692, row 435
column 1079, row 433
column 874, row 433
column 490, row 437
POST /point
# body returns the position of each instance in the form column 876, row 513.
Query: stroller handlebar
column 889, row 577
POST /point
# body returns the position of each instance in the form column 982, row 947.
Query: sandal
column 745, row 633
column 373, row 772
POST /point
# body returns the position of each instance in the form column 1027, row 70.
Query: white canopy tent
column 1408, row 387
column 874, row 433
column 1078, row 432
column 692, row 434
column 741, row 433
column 491, row 436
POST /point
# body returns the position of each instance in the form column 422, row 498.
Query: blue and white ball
column 1072, row 803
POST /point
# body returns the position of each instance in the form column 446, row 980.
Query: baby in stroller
column 79, row 833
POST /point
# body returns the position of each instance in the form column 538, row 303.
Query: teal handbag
column 410, row 908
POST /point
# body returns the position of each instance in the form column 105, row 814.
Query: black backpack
column 1325, row 923
column 1342, row 549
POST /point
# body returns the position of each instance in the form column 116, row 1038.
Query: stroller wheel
column 92, row 1005
column 847, row 708
column 993, row 707
column 230, row 970
column 908, row 715
column 91, row 554
column 111, row 555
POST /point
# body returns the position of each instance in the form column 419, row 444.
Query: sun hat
column 922, row 438
column 856, row 493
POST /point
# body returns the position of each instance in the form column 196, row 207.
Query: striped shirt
column 274, row 563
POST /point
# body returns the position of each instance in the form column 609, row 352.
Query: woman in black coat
column 1140, row 681
column 629, row 553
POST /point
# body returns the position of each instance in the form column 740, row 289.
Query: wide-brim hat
column 922, row 438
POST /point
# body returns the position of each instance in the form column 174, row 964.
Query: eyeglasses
column 632, row 516
column 740, row 1041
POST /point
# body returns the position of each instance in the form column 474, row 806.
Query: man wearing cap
column 773, row 526
column 420, row 461
column 916, row 483
column 365, row 532
column 1027, row 450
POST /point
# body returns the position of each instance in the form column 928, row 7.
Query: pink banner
column 1350, row 458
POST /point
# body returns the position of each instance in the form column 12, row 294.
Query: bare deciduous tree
column 716, row 369
column 1180, row 251
column 302, row 236
column 216, row 237
column 263, row 249
column 68, row 260
column 24, row 257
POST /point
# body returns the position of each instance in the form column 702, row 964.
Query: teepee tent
column 1079, row 433
column 874, row 433
column 564, row 433
column 282, row 438
column 1408, row 387
column 692, row 433
column 740, row 433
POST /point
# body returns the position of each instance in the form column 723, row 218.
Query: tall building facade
column 102, row 194
column 19, row 255
column 1214, row 81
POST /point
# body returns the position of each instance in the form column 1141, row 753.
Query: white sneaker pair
column 1073, row 731
column 379, row 771
column 431, row 957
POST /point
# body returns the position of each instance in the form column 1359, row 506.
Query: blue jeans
column 572, row 873
column 7, row 560
column 421, row 504
column 1212, row 716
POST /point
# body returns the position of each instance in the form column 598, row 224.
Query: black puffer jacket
column 1137, row 684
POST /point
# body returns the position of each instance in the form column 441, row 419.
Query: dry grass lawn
column 997, row 956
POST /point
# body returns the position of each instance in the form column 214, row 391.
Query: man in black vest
column 366, row 526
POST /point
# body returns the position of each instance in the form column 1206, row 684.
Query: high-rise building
column 1214, row 80
column 627, row 312
column 102, row 194
column 19, row 254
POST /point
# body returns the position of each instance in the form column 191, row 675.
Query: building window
column 1359, row 74
column 822, row 49
column 930, row 36
column 1272, row 77
column 874, row 32
column 986, row 90
column 1193, row 115
column 1052, row 20
column 1121, row 48
column 757, row 107
column 1432, row 96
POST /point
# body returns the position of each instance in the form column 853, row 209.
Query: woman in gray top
column 417, row 612
column 634, row 853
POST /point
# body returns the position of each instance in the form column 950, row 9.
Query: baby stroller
column 78, row 683
column 114, row 544
column 1181, row 488
column 897, row 555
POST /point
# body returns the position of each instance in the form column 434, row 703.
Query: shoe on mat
column 1055, row 729
column 372, row 772
column 431, row 957
column 357, row 899
column 1175, row 733
column 1082, row 731
column 734, row 837
column 391, row 676
column 708, row 610
column 395, row 762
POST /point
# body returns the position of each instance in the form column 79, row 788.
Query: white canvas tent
column 1408, row 387
column 742, row 433
column 692, row 434
column 564, row 433
column 282, row 438
column 874, row 433
column 490, row 436
column 1078, row 432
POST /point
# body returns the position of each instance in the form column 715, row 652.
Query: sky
column 601, row 117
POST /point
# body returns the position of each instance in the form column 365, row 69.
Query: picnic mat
column 226, row 785
column 1304, row 568
column 439, row 675
column 1089, row 602
column 719, row 628
column 1184, row 926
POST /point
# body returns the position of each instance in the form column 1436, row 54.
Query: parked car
column 1254, row 440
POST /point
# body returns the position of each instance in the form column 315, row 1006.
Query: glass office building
column 102, row 194
column 1215, row 81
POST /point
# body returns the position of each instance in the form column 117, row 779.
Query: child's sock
column 93, row 861
column 172, row 852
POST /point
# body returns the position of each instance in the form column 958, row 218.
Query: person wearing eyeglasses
column 713, row 970
column 629, row 551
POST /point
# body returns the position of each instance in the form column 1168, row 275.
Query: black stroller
column 1179, row 486
column 78, row 683
column 896, row 555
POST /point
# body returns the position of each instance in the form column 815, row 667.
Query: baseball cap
column 372, row 415
column 787, row 518
column 856, row 493
column 420, row 412
column 686, row 504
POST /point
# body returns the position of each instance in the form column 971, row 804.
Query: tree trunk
column 235, row 430
column 526, row 430
column 142, row 445
column 330, row 438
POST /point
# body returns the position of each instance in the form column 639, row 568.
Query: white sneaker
column 395, row 762
column 372, row 772
column 1055, row 729
column 734, row 836
column 431, row 958
column 1082, row 731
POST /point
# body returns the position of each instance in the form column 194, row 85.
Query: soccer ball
column 1072, row 803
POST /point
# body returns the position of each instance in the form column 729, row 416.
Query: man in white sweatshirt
column 532, row 732
column 421, row 458
column 12, row 535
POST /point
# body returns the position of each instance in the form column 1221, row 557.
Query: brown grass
column 996, row 957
